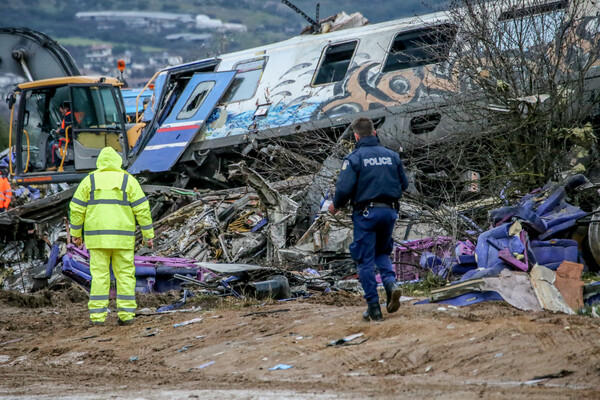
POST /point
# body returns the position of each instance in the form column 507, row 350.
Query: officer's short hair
column 66, row 104
column 363, row 127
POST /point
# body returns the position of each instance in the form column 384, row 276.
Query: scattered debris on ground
column 260, row 276
column 267, row 240
column 485, row 350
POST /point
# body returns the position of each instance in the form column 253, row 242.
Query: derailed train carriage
column 206, row 114
column 399, row 73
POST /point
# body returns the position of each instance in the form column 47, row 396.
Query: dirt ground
column 490, row 350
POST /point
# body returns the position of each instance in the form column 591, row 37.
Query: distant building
column 163, row 59
column 136, row 19
column 99, row 53
column 190, row 37
column 208, row 23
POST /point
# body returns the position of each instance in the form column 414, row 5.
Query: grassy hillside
column 267, row 21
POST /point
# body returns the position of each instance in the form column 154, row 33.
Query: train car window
column 425, row 46
column 528, row 27
column 196, row 99
column 246, row 80
column 88, row 108
column 335, row 63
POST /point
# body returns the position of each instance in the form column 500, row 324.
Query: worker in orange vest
column 65, row 110
column 60, row 141
column 5, row 189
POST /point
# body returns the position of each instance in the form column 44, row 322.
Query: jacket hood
column 109, row 160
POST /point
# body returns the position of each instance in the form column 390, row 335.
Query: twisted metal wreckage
column 269, row 240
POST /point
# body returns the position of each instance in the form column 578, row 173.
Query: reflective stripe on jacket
column 67, row 120
column 106, row 205
column 5, row 192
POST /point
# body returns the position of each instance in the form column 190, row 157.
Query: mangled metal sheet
column 569, row 283
column 327, row 234
column 45, row 209
column 281, row 210
column 183, row 123
column 515, row 288
column 549, row 297
column 229, row 268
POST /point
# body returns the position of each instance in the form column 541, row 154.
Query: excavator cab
column 51, row 146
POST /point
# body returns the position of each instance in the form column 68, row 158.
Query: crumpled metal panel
column 542, row 280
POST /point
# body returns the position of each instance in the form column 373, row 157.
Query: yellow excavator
column 43, row 148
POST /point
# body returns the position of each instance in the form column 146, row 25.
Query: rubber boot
column 373, row 312
column 393, row 298
column 120, row 322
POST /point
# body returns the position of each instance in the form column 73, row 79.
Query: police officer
column 373, row 179
column 106, row 205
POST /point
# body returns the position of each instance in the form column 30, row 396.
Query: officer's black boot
column 373, row 312
column 393, row 298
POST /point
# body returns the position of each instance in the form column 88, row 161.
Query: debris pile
column 525, row 258
column 37, row 204
column 271, row 240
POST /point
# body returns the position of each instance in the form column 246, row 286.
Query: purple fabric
column 468, row 298
column 73, row 271
column 525, row 240
column 554, row 251
column 407, row 255
column 464, row 248
column 491, row 242
column 152, row 273
column 562, row 214
column 460, row 269
column 543, row 213
column 558, row 228
column 467, row 260
column 52, row 260
column 553, row 200
column 527, row 216
column 509, row 259
column 437, row 265
column 144, row 271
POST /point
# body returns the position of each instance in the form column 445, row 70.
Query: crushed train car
column 205, row 115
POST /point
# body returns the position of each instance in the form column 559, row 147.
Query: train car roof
column 345, row 34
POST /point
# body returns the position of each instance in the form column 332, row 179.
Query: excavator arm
column 33, row 55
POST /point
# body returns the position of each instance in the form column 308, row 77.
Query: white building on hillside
column 137, row 19
column 206, row 22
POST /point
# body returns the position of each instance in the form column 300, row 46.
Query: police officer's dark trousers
column 372, row 246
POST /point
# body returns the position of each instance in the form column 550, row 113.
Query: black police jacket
column 371, row 173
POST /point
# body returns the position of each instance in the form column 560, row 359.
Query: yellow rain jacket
column 106, row 204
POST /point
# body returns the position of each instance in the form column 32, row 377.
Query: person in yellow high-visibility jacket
column 105, row 207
